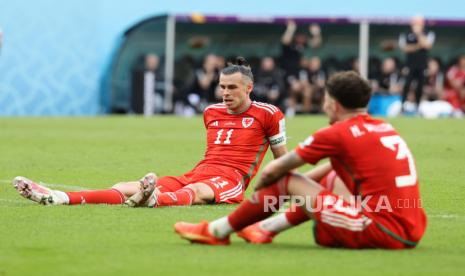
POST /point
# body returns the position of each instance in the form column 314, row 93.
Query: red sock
column 110, row 196
column 295, row 215
column 184, row 196
column 254, row 209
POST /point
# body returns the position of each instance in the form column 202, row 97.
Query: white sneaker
column 38, row 193
column 147, row 195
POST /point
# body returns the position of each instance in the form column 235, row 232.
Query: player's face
column 330, row 108
column 235, row 92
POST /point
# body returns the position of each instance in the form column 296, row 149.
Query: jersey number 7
column 403, row 152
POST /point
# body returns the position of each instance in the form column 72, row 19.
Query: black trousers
column 417, row 74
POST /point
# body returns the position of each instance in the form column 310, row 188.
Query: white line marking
column 13, row 200
column 51, row 185
column 445, row 216
column 62, row 186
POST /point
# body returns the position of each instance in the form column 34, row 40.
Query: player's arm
column 278, row 168
column 278, row 151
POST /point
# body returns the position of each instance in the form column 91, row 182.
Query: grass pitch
column 93, row 153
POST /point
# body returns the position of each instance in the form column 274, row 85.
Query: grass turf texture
column 107, row 240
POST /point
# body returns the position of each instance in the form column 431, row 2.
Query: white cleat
column 35, row 192
column 147, row 195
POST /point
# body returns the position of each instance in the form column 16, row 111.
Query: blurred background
column 87, row 58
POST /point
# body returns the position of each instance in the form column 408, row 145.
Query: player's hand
column 259, row 185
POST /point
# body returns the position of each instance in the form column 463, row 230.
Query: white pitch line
column 12, row 200
column 446, row 216
column 80, row 188
column 61, row 186
column 69, row 187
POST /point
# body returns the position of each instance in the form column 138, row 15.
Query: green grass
column 110, row 240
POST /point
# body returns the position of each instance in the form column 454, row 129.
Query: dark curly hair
column 349, row 89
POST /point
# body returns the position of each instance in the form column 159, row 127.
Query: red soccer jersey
column 455, row 74
column 375, row 163
column 240, row 141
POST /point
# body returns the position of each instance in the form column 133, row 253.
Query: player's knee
column 119, row 186
column 126, row 188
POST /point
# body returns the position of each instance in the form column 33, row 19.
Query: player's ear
column 337, row 106
column 249, row 87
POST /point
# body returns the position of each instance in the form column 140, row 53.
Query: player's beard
column 331, row 117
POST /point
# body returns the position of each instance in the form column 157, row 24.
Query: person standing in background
column 313, row 78
column 205, row 85
column 416, row 44
column 144, row 99
column 269, row 84
column 293, row 47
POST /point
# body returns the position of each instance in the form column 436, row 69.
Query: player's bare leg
column 264, row 231
column 318, row 172
column 203, row 193
column 196, row 193
column 128, row 188
column 249, row 212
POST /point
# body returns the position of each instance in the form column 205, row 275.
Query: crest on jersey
column 247, row 121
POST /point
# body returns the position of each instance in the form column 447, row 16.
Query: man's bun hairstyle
column 239, row 64
column 239, row 61
column 349, row 89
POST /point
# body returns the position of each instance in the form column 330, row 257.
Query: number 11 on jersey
column 228, row 136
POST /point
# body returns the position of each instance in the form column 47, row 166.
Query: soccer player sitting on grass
column 373, row 162
column 239, row 132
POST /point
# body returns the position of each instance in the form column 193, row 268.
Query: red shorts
column 338, row 224
column 226, row 183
